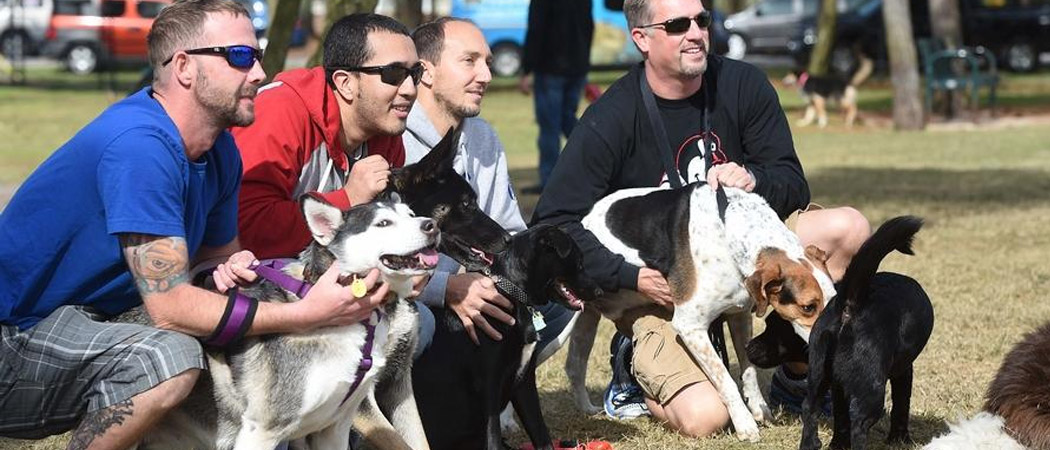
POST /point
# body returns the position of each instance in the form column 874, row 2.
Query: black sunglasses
column 681, row 24
column 392, row 74
column 239, row 56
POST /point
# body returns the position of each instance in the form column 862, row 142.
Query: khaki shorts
column 792, row 220
column 661, row 363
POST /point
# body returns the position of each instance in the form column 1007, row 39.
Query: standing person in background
column 557, row 58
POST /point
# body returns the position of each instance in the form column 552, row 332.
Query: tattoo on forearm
column 98, row 423
column 157, row 263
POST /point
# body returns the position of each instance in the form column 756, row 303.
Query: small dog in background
column 818, row 90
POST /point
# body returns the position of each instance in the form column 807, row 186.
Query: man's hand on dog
column 732, row 175
column 368, row 177
column 330, row 303
column 653, row 285
column 473, row 296
column 236, row 271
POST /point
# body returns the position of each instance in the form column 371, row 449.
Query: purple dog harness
column 272, row 271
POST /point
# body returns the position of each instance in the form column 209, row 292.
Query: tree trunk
column 907, row 103
column 409, row 12
column 279, row 36
column 733, row 6
column 945, row 22
column 821, row 54
column 337, row 9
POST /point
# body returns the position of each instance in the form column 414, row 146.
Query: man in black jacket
column 614, row 147
column 557, row 53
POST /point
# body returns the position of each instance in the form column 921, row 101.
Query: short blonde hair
column 178, row 26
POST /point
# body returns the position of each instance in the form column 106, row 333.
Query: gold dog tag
column 358, row 288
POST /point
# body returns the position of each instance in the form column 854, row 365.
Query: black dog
column 871, row 332
column 460, row 387
column 432, row 188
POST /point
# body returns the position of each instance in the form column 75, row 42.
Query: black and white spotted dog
column 269, row 389
column 749, row 262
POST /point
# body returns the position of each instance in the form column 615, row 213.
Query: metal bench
column 960, row 69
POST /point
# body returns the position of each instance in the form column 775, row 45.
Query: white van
column 23, row 24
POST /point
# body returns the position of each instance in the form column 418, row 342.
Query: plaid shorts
column 73, row 363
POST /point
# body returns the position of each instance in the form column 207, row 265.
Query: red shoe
column 572, row 444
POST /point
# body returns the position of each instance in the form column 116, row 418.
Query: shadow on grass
column 567, row 422
column 117, row 81
column 991, row 189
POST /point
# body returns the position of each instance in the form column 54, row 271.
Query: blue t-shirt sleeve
column 222, row 219
column 141, row 179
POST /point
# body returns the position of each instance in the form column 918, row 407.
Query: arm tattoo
column 157, row 263
column 99, row 422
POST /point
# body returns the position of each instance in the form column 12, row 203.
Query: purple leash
column 273, row 272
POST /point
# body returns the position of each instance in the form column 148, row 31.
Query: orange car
column 89, row 34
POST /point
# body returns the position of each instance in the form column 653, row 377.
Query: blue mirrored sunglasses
column 239, row 56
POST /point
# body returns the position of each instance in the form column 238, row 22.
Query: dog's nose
column 429, row 227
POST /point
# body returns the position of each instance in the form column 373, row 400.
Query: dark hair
column 178, row 26
column 430, row 38
column 346, row 44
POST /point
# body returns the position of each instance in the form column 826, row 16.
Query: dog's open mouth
column 562, row 289
column 424, row 259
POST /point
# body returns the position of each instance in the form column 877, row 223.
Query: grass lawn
column 985, row 194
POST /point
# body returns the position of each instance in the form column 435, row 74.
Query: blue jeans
column 554, row 315
column 556, row 100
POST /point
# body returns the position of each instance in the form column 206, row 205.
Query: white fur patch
column 981, row 432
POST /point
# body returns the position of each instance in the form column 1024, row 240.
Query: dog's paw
column 589, row 408
column 748, row 432
column 761, row 412
column 507, row 424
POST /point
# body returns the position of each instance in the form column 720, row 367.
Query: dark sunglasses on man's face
column 392, row 74
column 681, row 24
column 239, row 56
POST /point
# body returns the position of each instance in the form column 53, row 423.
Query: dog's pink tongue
column 429, row 257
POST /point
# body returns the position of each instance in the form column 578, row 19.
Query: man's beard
column 225, row 113
column 459, row 112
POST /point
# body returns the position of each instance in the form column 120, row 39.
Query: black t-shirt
column 687, row 132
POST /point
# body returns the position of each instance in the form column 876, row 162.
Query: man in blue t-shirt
column 116, row 218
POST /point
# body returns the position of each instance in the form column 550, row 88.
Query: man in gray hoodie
column 456, row 60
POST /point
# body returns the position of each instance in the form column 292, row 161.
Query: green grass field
column 985, row 194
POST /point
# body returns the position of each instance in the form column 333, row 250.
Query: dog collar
column 272, row 271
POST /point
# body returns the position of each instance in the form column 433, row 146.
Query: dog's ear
column 818, row 257
column 390, row 196
column 443, row 154
column 764, row 282
column 559, row 241
column 322, row 218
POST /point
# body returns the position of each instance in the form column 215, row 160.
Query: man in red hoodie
column 334, row 130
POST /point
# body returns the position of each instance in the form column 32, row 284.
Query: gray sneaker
column 623, row 399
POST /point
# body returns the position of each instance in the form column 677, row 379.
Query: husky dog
column 268, row 389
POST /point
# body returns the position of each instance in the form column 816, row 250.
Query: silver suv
column 767, row 26
column 23, row 24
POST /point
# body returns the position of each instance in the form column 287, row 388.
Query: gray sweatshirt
column 481, row 160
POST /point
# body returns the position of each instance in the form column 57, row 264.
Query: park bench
column 960, row 69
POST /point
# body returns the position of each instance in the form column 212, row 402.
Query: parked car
column 23, row 24
column 1017, row 31
column 260, row 14
column 504, row 22
column 89, row 34
column 768, row 26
